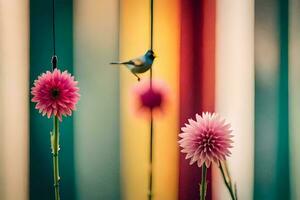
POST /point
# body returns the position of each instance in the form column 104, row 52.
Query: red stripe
column 197, row 79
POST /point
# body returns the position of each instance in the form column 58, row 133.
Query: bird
column 139, row 65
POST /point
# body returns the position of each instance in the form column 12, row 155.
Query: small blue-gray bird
column 139, row 65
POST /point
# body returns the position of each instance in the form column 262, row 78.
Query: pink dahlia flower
column 206, row 140
column 56, row 93
column 147, row 98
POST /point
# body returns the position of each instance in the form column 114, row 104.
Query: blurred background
column 238, row 58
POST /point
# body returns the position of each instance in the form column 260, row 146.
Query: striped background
column 238, row 58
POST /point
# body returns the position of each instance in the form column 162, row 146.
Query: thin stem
column 203, row 185
column 227, row 182
column 227, row 171
column 53, row 25
column 235, row 192
column 151, row 156
column 151, row 111
column 151, row 24
column 151, row 37
column 54, row 57
column 55, row 150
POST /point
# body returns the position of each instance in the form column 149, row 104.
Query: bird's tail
column 115, row 63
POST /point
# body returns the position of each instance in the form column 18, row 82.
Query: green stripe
column 266, row 102
column 97, row 123
column 282, row 173
column 294, row 97
column 271, row 179
column 41, row 173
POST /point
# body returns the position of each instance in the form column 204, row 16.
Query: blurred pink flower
column 147, row 98
column 206, row 140
column 56, row 93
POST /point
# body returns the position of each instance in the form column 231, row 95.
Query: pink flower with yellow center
column 206, row 140
column 55, row 93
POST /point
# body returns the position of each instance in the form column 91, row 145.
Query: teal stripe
column 271, row 179
column 97, row 123
column 282, row 173
column 266, row 12
column 41, row 175
column 294, row 97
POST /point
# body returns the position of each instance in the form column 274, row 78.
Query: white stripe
column 235, row 90
column 14, row 95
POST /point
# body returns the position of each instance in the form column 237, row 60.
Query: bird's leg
column 136, row 76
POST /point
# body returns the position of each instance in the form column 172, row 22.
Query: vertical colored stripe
column 166, row 68
column 14, row 65
column 282, row 173
column 41, row 50
column 134, row 41
column 235, row 91
column 294, row 97
column 197, row 79
column 266, row 81
column 97, row 151
column 271, row 107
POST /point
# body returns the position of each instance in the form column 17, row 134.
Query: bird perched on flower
column 206, row 140
column 139, row 65
column 56, row 93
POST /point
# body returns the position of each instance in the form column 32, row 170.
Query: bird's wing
column 136, row 62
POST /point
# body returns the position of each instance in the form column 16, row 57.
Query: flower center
column 151, row 99
column 208, row 140
column 55, row 93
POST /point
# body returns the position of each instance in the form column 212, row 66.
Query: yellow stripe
column 14, row 99
column 134, row 40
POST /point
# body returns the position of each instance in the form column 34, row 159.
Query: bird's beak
column 154, row 55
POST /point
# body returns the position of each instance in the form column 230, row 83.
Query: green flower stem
column 55, row 150
column 228, row 183
column 203, row 184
